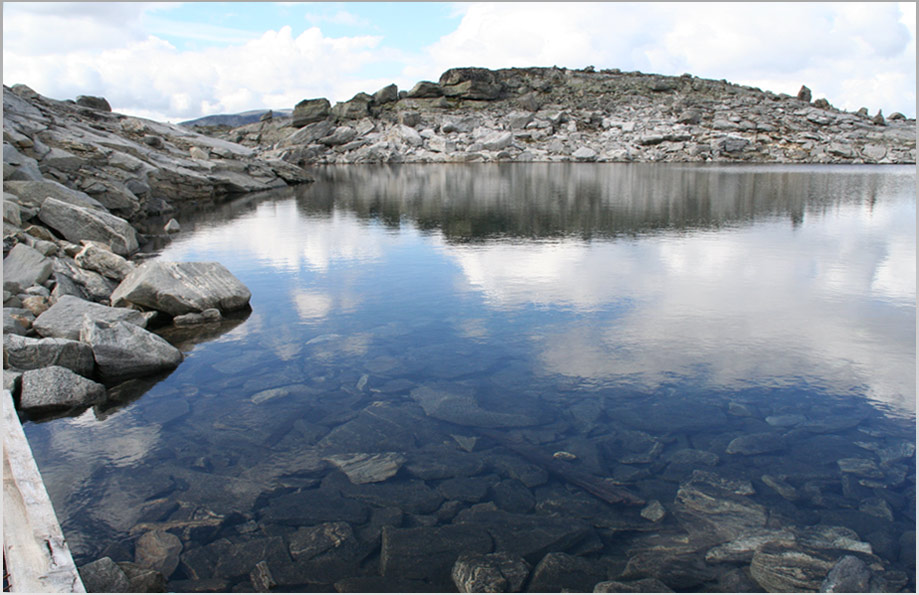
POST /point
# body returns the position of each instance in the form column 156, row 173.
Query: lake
column 607, row 371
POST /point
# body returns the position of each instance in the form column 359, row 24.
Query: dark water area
column 638, row 370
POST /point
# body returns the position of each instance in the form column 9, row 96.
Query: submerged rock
column 781, row 570
column 181, row 287
column 558, row 572
column 754, row 444
column 849, row 575
column 310, row 542
column 143, row 580
column 158, row 550
column 104, row 576
column 645, row 585
column 499, row 572
column 430, row 552
column 368, row 468
column 462, row 408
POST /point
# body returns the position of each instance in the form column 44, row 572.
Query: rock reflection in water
column 439, row 360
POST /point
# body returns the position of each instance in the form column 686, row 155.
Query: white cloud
column 341, row 17
column 152, row 78
column 676, row 305
column 854, row 54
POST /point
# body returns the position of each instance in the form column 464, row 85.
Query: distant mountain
column 234, row 120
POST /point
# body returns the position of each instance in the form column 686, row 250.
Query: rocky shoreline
column 77, row 295
column 557, row 114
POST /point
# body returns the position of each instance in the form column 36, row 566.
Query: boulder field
column 557, row 114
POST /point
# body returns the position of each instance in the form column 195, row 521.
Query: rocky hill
column 556, row 114
column 236, row 120
column 131, row 167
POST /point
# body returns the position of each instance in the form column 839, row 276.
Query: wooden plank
column 37, row 556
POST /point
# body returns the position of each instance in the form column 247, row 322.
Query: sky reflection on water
column 741, row 276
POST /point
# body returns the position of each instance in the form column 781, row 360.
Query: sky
column 175, row 61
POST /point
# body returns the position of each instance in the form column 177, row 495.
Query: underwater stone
column 499, row 572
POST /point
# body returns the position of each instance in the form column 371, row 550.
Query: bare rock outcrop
column 557, row 114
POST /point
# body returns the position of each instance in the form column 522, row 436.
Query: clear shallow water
column 633, row 316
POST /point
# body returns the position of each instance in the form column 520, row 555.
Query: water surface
column 640, row 318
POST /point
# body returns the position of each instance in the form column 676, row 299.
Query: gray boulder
column 182, row 287
column 339, row 136
column 77, row 281
column 57, row 387
column 96, row 103
column 497, row 140
column 11, row 211
column 103, row 261
column 424, row 90
column 26, row 353
column 65, row 318
column 585, row 154
column 354, row 109
column 471, row 83
column 32, row 193
column 804, row 94
column 79, row 223
column 309, row 111
column 17, row 166
column 25, row 267
column 387, row 94
column 122, row 349
column 13, row 324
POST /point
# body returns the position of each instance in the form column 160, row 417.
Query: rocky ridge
column 79, row 181
column 557, row 114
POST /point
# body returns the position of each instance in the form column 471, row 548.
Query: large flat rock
column 460, row 407
column 32, row 193
column 77, row 223
column 64, row 319
column 178, row 288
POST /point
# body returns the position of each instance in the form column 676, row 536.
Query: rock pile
column 77, row 179
column 556, row 114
